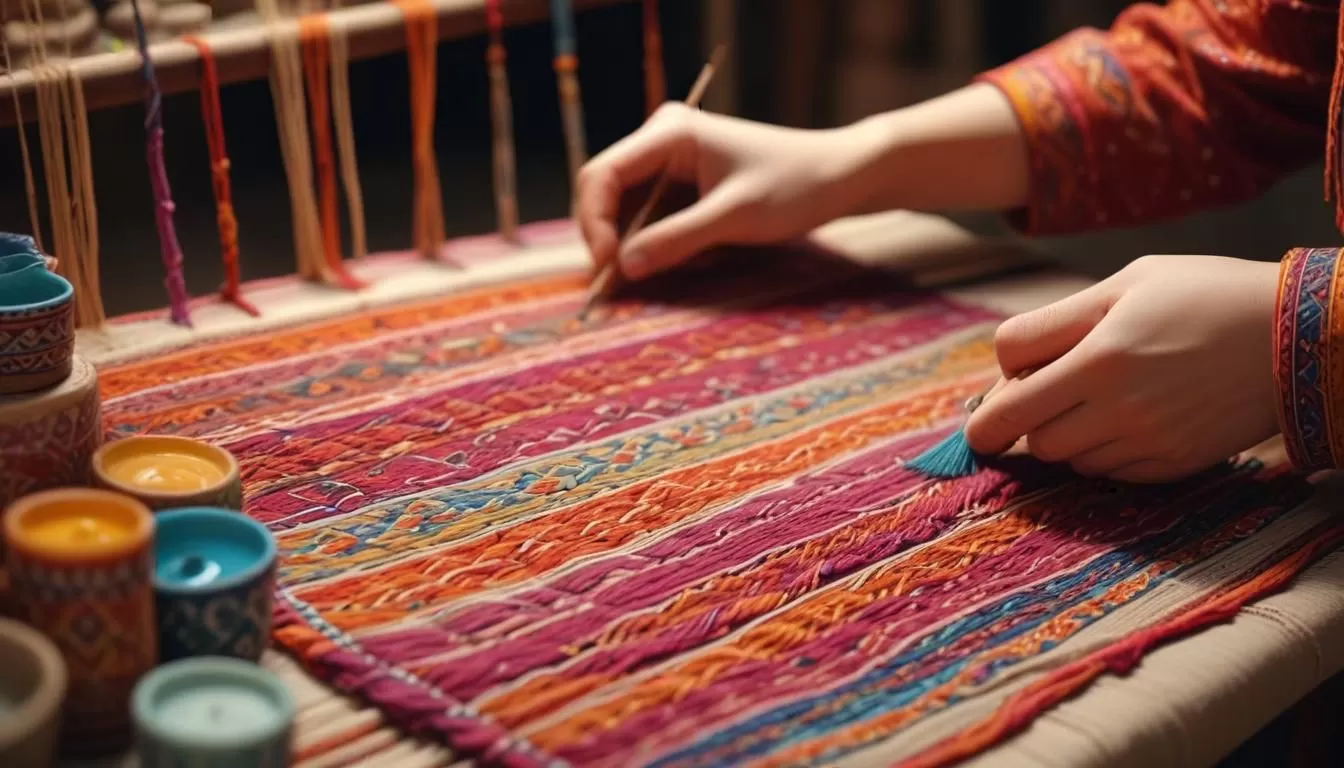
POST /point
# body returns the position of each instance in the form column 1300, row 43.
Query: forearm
column 961, row 151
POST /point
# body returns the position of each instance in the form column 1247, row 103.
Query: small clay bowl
column 214, row 583
column 32, row 686
column 170, row 472
column 37, row 331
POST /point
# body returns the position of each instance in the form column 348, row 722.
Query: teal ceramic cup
column 214, row 583
column 37, row 333
column 212, row 712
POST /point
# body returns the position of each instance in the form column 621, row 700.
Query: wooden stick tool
column 606, row 278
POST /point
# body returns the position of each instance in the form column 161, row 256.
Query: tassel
column 952, row 457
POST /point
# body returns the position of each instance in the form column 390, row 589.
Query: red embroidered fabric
column 1178, row 108
column 1190, row 106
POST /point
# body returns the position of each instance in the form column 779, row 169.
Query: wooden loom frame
column 244, row 54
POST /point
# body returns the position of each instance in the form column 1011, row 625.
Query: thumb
column 669, row 242
column 1039, row 337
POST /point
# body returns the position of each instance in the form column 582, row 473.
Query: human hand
column 1158, row 372
column 756, row 183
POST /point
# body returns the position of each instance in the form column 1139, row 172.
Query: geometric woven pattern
column 36, row 340
column 679, row 534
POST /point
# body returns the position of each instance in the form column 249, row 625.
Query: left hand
column 1160, row 371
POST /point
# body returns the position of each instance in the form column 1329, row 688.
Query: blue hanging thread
column 952, row 456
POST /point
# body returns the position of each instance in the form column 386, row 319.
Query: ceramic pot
column 170, row 472
column 32, row 687
column 80, row 563
column 214, row 583
column 37, row 331
column 213, row 713
column 48, row 438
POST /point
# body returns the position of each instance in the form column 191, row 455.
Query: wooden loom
column 304, row 48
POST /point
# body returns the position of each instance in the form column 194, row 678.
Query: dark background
column 810, row 63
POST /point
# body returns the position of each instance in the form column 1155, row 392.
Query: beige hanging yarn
column 63, row 128
column 288, row 98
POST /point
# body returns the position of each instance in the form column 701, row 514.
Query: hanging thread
column 506, row 174
column 225, row 219
column 29, row 186
column 655, row 81
column 317, row 73
column 287, row 98
column 158, row 177
column 567, row 83
column 345, row 134
column 422, row 36
column 63, row 132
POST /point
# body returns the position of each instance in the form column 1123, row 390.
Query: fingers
column 1075, row 432
column 1106, row 459
column 605, row 179
column 678, row 237
column 1034, row 339
column 1024, row 405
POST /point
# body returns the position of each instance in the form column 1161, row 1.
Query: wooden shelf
column 244, row 53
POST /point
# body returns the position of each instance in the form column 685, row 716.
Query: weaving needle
column 607, row 276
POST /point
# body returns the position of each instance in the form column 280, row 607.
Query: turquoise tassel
column 951, row 457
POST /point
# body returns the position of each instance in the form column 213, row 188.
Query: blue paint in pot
column 30, row 290
column 214, row 583
column 18, row 262
column 209, row 549
column 12, row 244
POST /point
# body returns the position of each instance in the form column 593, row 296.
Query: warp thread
column 1334, row 136
column 225, row 218
column 63, row 129
column 506, row 198
column 422, row 35
column 313, row 37
column 158, row 177
column 655, row 81
column 288, row 100
column 567, row 83
column 30, row 188
column 345, row 135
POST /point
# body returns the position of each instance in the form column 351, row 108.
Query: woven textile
column 681, row 535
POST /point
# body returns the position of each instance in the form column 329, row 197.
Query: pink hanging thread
column 158, row 178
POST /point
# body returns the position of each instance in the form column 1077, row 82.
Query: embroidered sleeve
column 1309, row 357
column 1189, row 106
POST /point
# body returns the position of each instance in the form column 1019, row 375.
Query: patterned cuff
column 1053, row 121
column 1309, row 357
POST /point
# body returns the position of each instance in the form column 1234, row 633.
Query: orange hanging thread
column 212, row 116
column 655, row 83
column 422, row 36
column 316, row 72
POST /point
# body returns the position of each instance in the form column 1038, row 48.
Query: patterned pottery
column 212, row 712
column 170, row 472
column 80, row 564
column 37, row 332
column 47, row 439
column 214, row 581
column 32, row 687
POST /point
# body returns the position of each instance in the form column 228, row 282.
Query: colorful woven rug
column 682, row 534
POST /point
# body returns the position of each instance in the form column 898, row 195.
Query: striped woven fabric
column 677, row 534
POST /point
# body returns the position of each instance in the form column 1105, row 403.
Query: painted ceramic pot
column 37, row 332
column 32, row 687
column 80, row 564
column 47, row 439
column 170, row 472
column 213, row 713
column 214, row 583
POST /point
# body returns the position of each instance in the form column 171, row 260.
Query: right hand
column 756, row 183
